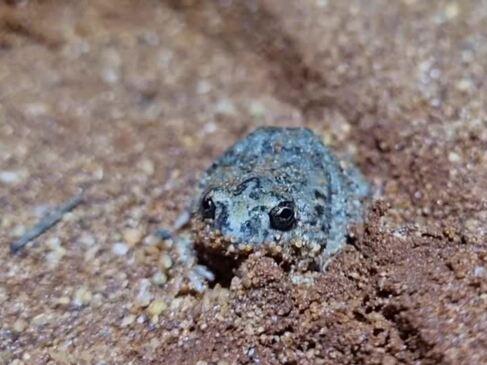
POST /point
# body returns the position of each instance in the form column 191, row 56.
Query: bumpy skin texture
column 270, row 166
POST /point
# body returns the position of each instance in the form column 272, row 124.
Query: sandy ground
column 131, row 100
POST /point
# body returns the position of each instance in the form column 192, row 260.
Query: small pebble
column 82, row 297
column 97, row 300
column 480, row 271
column 10, row 177
column 3, row 295
column 147, row 166
column 111, row 63
column 26, row 356
column 465, row 85
column 144, row 296
column 40, row 320
column 120, row 249
column 203, row 87
column 159, row 278
column 19, row 325
column 128, row 320
column 87, row 239
column 18, row 230
column 182, row 220
column 257, row 109
column 56, row 253
column 225, row 107
column 132, row 236
column 54, row 243
column 209, row 128
column 452, row 10
column 110, row 75
column 204, row 272
column 151, row 240
column 63, row 301
column 156, row 308
column 36, row 109
column 166, row 261
column 454, row 157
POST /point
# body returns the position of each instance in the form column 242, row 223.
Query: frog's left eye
column 208, row 207
column 283, row 216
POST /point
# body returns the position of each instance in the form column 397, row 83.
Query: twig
column 45, row 223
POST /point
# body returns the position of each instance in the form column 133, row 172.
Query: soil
column 131, row 100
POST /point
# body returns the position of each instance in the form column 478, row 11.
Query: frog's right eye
column 208, row 207
column 282, row 216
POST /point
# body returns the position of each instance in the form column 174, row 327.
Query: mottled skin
column 271, row 166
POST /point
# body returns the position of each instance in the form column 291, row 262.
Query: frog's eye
column 207, row 207
column 282, row 216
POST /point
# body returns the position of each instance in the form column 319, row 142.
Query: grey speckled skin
column 270, row 166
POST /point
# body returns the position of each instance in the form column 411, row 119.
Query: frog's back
column 274, row 148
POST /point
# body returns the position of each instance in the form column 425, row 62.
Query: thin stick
column 45, row 223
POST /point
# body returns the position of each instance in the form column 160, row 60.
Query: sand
column 130, row 101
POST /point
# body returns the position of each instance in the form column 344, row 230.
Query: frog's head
column 253, row 210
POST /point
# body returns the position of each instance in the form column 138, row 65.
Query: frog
column 279, row 191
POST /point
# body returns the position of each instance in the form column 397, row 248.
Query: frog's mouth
column 211, row 240
column 224, row 255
